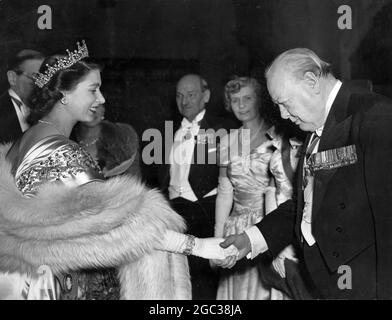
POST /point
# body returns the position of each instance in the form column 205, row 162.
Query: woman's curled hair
column 43, row 99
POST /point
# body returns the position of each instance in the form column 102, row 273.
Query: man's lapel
column 9, row 123
column 335, row 135
column 300, row 179
column 204, row 123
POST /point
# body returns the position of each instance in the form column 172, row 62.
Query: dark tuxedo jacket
column 199, row 215
column 202, row 177
column 9, row 124
column 352, row 205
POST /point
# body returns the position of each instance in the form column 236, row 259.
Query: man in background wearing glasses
column 14, row 102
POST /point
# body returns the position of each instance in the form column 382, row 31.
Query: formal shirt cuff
column 257, row 242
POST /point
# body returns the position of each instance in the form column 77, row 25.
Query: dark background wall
column 147, row 45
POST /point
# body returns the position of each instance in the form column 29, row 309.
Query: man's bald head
column 299, row 82
column 296, row 62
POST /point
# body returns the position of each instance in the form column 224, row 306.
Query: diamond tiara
column 40, row 79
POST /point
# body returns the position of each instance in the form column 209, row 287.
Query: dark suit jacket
column 352, row 205
column 9, row 124
column 202, row 177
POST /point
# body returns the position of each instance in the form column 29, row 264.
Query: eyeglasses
column 23, row 73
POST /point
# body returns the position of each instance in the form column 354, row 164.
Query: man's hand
column 278, row 262
column 242, row 243
column 278, row 265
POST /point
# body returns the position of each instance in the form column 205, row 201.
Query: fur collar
column 118, row 222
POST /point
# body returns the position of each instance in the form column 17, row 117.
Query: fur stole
column 118, row 222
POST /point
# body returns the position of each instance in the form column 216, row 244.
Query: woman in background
column 252, row 182
column 115, row 146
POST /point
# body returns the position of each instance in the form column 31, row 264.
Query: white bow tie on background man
column 190, row 129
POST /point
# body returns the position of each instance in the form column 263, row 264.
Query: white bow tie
column 187, row 124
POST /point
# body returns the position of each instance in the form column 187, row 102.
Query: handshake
column 223, row 252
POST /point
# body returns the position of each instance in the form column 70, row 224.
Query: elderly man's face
column 296, row 100
column 190, row 98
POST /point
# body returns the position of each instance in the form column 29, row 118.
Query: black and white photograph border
column 147, row 46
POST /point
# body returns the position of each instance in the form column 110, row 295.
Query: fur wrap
column 118, row 222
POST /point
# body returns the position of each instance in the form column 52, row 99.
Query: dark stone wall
column 147, row 45
column 217, row 38
column 373, row 57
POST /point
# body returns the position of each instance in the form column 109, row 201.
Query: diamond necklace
column 46, row 122
column 51, row 124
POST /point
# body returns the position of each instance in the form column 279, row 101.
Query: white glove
column 209, row 248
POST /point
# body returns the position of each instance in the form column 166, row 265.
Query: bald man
column 191, row 182
column 341, row 215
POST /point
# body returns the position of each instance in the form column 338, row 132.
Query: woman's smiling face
column 84, row 100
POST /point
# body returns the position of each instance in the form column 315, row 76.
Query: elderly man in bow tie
column 341, row 214
column 14, row 102
column 191, row 177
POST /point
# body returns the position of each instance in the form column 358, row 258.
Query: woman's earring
column 63, row 100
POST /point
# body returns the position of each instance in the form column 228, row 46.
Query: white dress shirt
column 258, row 243
column 22, row 111
column 181, row 157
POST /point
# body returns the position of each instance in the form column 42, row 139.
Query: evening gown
column 85, row 231
column 250, row 174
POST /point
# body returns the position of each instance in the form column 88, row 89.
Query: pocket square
column 333, row 158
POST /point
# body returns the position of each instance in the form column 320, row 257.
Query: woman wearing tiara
column 59, row 216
